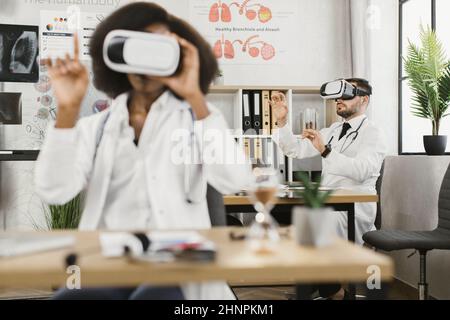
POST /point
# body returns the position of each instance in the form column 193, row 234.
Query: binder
column 258, row 151
column 256, row 111
column 271, row 153
column 276, row 162
column 246, row 116
column 274, row 123
column 280, row 163
column 266, row 123
column 252, row 150
column 247, row 149
column 265, row 152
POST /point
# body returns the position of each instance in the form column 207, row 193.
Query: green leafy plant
column 428, row 72
column 66, row 216
column 312, row 195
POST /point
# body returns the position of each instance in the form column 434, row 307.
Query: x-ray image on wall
column 10, row 108
column 19, row 50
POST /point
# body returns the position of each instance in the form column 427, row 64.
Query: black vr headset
column 343, row 89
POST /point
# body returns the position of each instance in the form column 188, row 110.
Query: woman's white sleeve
column 64, row 164
column 292, row 146
column 226, row 166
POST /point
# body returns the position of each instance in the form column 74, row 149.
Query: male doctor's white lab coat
column 352, row 164
column 69, row 163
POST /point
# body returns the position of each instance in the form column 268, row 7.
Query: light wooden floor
column 398, row 291
column 27, row 294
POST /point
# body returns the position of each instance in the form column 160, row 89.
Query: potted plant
column 60, row 217
column 314, row 224
column 428, row 72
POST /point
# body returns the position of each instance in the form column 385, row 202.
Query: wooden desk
column 342, row 262
column 340, row 200
column 338, row 196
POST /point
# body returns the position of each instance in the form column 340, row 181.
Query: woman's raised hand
column 70, row 79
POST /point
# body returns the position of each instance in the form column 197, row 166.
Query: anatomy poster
column 258, row 32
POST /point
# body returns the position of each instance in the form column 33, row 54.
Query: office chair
column 422, row 241
column 378, row 185
column 216, row 207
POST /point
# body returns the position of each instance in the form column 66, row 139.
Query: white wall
column 322, row 37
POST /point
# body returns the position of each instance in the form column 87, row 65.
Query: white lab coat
column 350, row 165
column 66, row 166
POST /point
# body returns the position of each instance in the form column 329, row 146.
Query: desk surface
column 343, row 262
column 338, row 196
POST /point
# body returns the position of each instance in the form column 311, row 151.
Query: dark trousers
column 327, row 290
column 139, row 293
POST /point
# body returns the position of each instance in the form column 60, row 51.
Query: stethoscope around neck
column 354, row 133
column 194, row 178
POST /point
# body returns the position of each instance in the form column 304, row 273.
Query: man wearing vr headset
column 352, row 151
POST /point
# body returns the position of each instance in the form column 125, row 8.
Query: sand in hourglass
column 265, row 195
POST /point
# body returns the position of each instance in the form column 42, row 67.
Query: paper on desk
column 21, row 244
column 113, row 243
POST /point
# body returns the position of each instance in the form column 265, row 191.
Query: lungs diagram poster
column 256, row 32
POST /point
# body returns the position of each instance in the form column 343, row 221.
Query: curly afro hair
column 138, row 16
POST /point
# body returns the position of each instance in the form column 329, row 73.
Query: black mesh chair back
column 422, row 241
column 444, row 202
column 378, row 185
column 216, row 207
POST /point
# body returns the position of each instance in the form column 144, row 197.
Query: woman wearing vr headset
column 352, row 151
column 125, row 157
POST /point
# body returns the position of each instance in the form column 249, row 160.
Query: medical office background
column 327, row 39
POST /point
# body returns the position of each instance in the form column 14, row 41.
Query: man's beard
column 347, row 113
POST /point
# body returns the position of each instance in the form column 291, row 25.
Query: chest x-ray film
column 19, row 50
column 10, row 108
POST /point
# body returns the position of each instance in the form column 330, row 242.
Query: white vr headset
column 141, row 53
column 342, row 89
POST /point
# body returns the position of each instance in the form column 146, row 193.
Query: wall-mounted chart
column 58, row 27
column 248, row 31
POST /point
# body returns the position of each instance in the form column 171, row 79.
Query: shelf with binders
column 301, row 101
